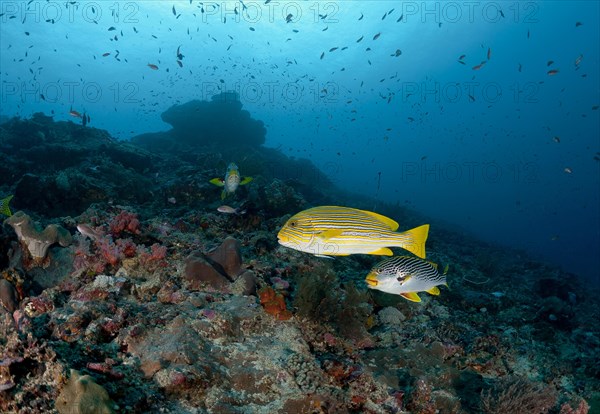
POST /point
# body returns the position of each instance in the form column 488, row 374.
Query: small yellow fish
column 341, row 231
column 231, row 181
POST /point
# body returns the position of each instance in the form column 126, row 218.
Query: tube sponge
column 37, row 241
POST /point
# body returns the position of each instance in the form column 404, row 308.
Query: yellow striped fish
column 340, row 231
column 231, row 181
column 405, row 276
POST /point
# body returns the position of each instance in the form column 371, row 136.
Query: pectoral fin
column 218, row 182
column 412, row 296
column 433, row 291
column 328, row 234
column 246, row 180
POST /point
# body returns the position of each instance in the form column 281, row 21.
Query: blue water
column 474, row 148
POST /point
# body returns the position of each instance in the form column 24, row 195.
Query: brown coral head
column 82, row 395
column 37, row 241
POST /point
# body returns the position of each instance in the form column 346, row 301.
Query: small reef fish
column 341, row 231
column 75, row 114
column 85, row 119
column 230, row 210
column 4, row 207
column 405, row 276
column 152, row 66
column 87, row 231
column 231, row 181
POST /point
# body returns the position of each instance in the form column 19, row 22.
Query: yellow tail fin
column 414, row 240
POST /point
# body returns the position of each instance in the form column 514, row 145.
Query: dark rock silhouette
column 220, row 122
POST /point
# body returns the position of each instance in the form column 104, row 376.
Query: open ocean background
column 494, row 143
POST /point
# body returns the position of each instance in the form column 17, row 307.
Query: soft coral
column 125, row 221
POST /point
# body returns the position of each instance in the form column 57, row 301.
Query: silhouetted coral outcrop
column 220, row 122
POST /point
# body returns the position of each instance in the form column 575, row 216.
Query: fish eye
column 293, row 224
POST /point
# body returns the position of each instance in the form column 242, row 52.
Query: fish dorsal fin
column 383, row 219
column 246, row 180
column 412, row 296
column 433, row 291
column 217, row 181
column 383, row 251
column 328, row 234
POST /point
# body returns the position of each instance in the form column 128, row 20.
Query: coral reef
column 274, row 303
column 165, row 305
column 8, row 296
column 59, row 168
column 519, row 396
column 219, row 269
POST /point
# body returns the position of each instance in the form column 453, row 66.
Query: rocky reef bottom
column 124, row 289
column 203, row 315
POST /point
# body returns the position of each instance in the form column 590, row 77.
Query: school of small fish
column 320, row 230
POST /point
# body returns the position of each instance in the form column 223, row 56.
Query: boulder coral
column 81, row 395
column 36, row 240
